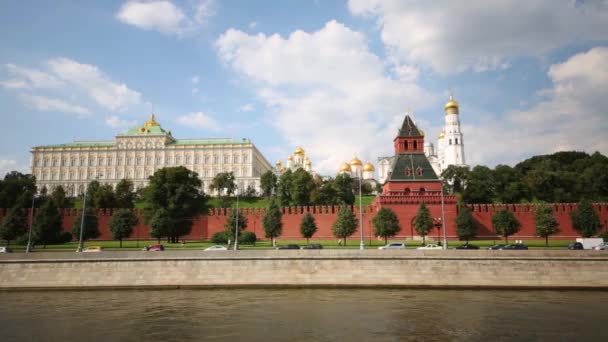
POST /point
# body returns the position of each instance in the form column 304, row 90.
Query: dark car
column 467, row 246
column 575, row 246
column 313, row 246
column 518, row 246
column 289, row 247
column 499, row 246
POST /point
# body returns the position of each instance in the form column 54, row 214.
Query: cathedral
column 297, row 160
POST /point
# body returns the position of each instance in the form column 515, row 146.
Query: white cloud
column 253, row 24
column 325, row 90
column 195, row 79
column 246, row 108
column 199, row 120
column 572, row 118
column 8, row 165
column 164, row 16
column 116, row 122
column 29, row 78
column 451, row 36
column 95, row 83
column 47, row 104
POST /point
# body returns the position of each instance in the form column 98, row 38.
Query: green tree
column 231, row 223
column 122, row 223
column 176, row 190
column 223, row 182
column 466, row 227
column 14, row 224
column 47, row 228
column 546, row 224
column 104, row 197
column 505, row 224
column 91, row 226
column 325, row 193
column 509, row 187
column 480, row 186
column 124, row 194
column 273, row 224
column 160, row 224
column 308, row 227
column 386, row 223
column 345, row 225
column 343, row 185
column 284, row 188
column 92, row 190
column 585, row 219
column 59, row 198
column 14, row 185
column 268, row 183
column 302, row 185
column 423, row 222
column 455, row 178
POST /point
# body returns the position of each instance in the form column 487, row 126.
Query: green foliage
column 47, row 228
column 345, row 225
column 423, row 222
column 220, row 238
column 386, row 223
column 480, row 186
column 104, row 198
column 343, row 185
column 122, row 223
column 302, row 185
column 604, row 236
column 59, row 198
column 14, row 186
column 160, row 224
column 176, row 190
column 325, row 193
column 124, row 194
column 223, row 183
column 546, row 224
column 505, row 224
column 273, row 225
column 231, row 223
column 455, row 178
column 284, row 188
column 585, row 219
column 14, row 224
column 308, row 226
column 268, row 183
column 91, row 226
column 249, row 192
column 247, row 238
column 466, row 227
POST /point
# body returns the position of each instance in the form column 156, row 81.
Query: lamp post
column 236, row 226
column 84, row 207
column 361, row 243
column 444, row 244
column 29, row 235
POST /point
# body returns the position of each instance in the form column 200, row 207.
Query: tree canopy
column 273, row 224
column 545, row 222
column 585, row 219
column 505, row 223
column 423, row 222
column 47, row 227
column 122, row 223
column 308, row 226
column 386, row 223
column 91, row 226
column 268, row 183
column 466, row 226
column 345, row 225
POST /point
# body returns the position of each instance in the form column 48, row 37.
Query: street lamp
column 29, row 235
column 361, row 243
column 84, row 207
column 236, row 226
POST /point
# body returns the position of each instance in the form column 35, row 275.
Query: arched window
column 405, row 145
column 408, row 171
column 419, row 171
column 450, row 141
column 407, row 191
column 422, row 191
column 415, row 145
column 456, row 143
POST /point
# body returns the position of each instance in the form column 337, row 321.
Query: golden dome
column 151, row 122
column 299, row 151
column 368, row 167
column 279, row 163
column 442, row 135
column 451, row 107
column 345, row 168
column 308, row 162
column 356, row 162
column 290, row 158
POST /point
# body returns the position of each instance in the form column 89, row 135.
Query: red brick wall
column 404, row 206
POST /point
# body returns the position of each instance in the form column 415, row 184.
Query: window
column 110, row 160
column 456, row 141
column 236, row 159
column 64, row 162
column 73, row 162
column 450, row 141
column 139, row 160
column 46, row 162
column 244, row 158
column 216, row 159
column 55, row 162
column 408, row 171
column 206, row 159
column 419, row 171
column 187, row 159
column 226, row 159
column 422, row 191
column 406, row 145
column 415, row 145
column 100, row 161
column 178, row 159
column 82, row 162
column 149, row 161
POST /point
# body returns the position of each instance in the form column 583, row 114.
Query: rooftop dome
column 345, row 168
column 368, row 167
column 355, row 162
column 451, row 107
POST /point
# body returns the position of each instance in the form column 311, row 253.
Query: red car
column 154, row 248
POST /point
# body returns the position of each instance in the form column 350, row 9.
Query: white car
column 216, row 248
column 5, row 250
column 431, row 246
column 394, row 245
column 602, row 247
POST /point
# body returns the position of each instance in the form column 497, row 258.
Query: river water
column 303, row 315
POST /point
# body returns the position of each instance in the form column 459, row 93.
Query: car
column 498, row 246
column 5, row 250
column 394, row 245
column 216, row 248
column 518, row 246
column 93, row 249
column 430, row 246
column 576, row 246
column 602, row 247
column 467, row 246
column 290, row 246
column 313, row 246
column 154, row 248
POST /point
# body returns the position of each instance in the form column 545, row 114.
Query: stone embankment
column 307, row 268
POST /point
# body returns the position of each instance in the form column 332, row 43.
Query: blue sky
column 334, row 77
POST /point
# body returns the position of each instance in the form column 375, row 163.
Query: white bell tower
column 453, row 142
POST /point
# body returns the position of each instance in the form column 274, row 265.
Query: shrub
column 247, row 238
column 65, row 237
column 220, row 238
column 604, row 236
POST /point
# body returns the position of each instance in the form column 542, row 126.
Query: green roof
column 409, row 129
column 219, row 141
column 413, row 161
column 146, row 131
column 80, row 144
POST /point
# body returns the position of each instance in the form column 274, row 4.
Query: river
column 303, row 315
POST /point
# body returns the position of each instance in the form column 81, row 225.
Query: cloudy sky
column 334, row 77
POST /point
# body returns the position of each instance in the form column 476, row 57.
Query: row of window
column 118, row 174
column 109, row 161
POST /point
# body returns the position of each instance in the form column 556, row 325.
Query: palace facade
column 138, row 153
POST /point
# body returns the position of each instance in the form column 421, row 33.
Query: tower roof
column 414, row 162
column 409, row 128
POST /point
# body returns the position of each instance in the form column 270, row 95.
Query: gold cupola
column 368, row 167
column 299, row 151
column 345, row 168
column 151, row 122
column 442, row 135
column 290, row 158
column 451, row 107
column 355, row 162
column 279, row 164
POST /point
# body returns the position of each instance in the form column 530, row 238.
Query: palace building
column 138, row 153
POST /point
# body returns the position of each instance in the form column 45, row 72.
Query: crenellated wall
column 405, row 207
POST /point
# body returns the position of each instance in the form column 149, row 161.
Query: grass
column 351, row 243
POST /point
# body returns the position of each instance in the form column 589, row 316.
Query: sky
column 334, row 77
